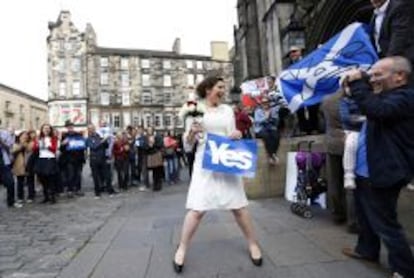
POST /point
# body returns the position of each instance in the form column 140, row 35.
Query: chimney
column 219, row 50
column 177, row 46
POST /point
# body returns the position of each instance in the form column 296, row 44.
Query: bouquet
column 192, row 111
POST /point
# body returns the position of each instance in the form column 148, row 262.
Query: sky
column 146, row 24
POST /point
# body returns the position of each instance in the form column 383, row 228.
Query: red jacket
column 121, row 150
column 52, row 148
column 243, row 122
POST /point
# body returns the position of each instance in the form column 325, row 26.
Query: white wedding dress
column 209, row 190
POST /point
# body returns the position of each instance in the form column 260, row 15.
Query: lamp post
column 293, row 35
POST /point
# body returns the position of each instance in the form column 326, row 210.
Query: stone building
column 268, row 28
column 89, row 83
column 20, row 109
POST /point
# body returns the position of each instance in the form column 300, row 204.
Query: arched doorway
column 332, row 17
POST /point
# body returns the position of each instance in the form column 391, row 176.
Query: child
column 352, row 122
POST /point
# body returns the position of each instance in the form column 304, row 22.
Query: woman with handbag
column 46, row 167
column 154, row 146
column 212, row 190
column 170, row 146
column 121, row 153
column 20, row 154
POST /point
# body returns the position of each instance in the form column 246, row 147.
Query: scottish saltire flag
column 317, row 75
column 234, row 157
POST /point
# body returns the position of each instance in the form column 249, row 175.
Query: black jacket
column 397, row 30
column 390, row 133
column 97, row 147
column 71, row 156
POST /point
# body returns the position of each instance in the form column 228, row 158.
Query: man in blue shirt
column 385, row 160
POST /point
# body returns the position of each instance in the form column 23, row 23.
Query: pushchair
column 309, row 182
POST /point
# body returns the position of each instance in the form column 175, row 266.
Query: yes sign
column 231, row 157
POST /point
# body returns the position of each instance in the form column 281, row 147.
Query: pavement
column 135, row 235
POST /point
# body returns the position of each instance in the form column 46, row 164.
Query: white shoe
column 17, row 205
column 396, row 275
column 410, row 187
column 276, row 159
column 142, row 189
column 349, row 183
column 97, row 197
column 29, row 201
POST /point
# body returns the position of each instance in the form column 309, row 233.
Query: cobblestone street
column 135, row 233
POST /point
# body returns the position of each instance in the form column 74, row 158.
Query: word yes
column 230, row 158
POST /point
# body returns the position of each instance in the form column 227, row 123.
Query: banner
column 72, row 110
column 234, row 157
column 76, row 144
column 317, row 75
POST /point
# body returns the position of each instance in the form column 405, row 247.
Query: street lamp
column 293, row 35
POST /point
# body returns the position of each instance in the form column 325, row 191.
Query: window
column 104, row 98
column 104, row 78
column 146, row 97
column 168, row 120
column 21, row 108
column 62, row 65
column 68, row 45
column 189, row 64
column 178, row 121
column 104, row 62
column 158, row 120
column 167, row 80
column 62, row 88
column 126, row 99
column 8, row 104
column 200, row 78
column 126, row 119
column 76, row 88
column 166, row 64
column 145, row 63
column 124, row 63
column 148, row 120
column 199, row 65
column 146, row 80
column 76, row 64
column 190, row 79
column 116, row 120
column 167, row 97
column 136, row 119
column 61, row 44
column 125, row 79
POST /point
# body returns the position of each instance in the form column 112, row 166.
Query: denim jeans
column 170, row 169
column 7, row 179
column 377, row 216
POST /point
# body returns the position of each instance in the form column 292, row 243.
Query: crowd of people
column 56, row 160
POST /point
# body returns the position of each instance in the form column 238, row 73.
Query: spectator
column 154, row 145
column 6, row 175
column 20, row 153
column 142, row 173
column 392, row 28
column 46, row 166
column 121, row 152
column 243, row 121
column 31, row 159
column 170, row 145
column 388, row 104
column 97, row 160
column 266, row 121
column 340, row 201
column 132, row 167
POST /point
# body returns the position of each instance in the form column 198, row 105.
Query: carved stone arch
column 332, row 17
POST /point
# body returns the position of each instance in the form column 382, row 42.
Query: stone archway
column 333, row 16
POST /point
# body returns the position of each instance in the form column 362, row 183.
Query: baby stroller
column 309, row 183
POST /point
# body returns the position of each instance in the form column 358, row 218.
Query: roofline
column 150, row 53
column 23, row 94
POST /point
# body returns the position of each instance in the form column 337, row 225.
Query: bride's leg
column 190, row 225
column 244, row 221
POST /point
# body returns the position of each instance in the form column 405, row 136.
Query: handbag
column 155, row 160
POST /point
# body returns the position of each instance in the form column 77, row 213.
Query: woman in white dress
column 210, row 190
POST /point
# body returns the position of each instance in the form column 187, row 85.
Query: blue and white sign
column 76, row 144
column 234, row 157
column 317, row 75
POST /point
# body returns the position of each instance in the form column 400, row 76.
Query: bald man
column 385, row 160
